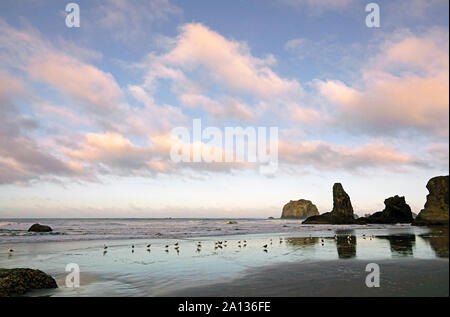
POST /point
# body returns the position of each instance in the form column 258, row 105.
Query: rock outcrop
column 39, row 228
column 436, row 208
column 19, row 281
column 300, row 209
column 342, row 212
column 396, row 211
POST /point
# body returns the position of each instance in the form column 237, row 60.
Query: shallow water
column 121, row 272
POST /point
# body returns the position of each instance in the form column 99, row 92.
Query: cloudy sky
column 86, row 113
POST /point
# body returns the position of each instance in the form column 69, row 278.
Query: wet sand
column 323, row 262
column 409, row 277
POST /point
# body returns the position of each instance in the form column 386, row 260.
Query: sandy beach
column 292, row 260
column 334, row 279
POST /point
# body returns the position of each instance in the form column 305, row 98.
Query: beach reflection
column 346, row 247
column 401, row 245
column 437, row 238
column 302, row 242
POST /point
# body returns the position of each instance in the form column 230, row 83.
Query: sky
column 87, row 113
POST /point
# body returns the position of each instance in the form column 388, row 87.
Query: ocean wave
column 7, row 223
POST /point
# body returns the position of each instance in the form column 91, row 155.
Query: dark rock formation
column 18, row 281
column 342, row 206
column 396, row 211
column 437, row 206
column 342, row 212
column 39, row 228
column 300, row 209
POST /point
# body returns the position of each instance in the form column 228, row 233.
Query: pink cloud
column 228, row 108
column 97, row 90
column 226, row 62
column 325, row 156
column 400, row 91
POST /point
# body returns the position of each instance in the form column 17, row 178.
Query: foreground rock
column 396, row 211
column 342, row 212
column 19, row 281
column 39, row 228
column 437, row 206
column 300, row 209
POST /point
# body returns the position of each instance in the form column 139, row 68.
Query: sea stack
column 436, row 208
column 342, row 212
column 299, row 209
column 396, row 211
column 39, row 228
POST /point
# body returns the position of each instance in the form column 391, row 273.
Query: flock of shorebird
column 217, row 245
column 223, row 244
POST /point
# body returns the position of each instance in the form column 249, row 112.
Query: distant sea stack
column 39, row 228
column 342, row 212
column 396, row 211
column 299, row 209
column 436, row 208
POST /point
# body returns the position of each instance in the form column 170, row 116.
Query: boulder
column 342, row 212
column 436, row 207
column 19, row 281
column 300, row 209
column 396, row 211
column 39, row 228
